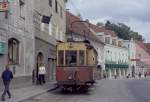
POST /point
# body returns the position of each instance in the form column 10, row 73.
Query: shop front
column 116, row 70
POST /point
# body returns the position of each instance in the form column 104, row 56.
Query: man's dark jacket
column 7, row 76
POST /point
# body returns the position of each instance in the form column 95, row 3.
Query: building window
column 71, row 58
column 60, row 58
column 120, row 44
column 50, row 3
column 56, row 6
column 45, row 28
column 22, row 8
column 107, row 40
column 61, row 12
column 114, row 42
column 54, row 30
column 128, row 46
column 50, row 28
column 57, row 33
column 81, row 58
column 13, row 51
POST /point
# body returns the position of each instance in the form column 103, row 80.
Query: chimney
column 87, row 20
column 79, row 15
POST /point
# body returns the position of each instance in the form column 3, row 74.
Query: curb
column 37, row 94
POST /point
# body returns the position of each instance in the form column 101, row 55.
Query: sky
column 134, row 13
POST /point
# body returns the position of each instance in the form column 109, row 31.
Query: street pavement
column 22, row 93
column 119, row 90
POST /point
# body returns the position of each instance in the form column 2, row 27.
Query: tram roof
column 79, row 28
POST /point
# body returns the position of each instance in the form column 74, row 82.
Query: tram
column 76, row 63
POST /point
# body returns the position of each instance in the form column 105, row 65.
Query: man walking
column 6, row 76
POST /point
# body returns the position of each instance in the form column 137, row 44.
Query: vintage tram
column 76, row 63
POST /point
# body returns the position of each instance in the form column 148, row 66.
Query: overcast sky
column 134, row 13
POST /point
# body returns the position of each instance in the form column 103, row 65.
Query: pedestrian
column 140, row 75
column 33, row 76
column 42, row 72
column 145, row 74
column 128, row 76
column 115, row 76
column 7, row 76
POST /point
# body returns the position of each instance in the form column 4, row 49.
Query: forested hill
column 123, row 31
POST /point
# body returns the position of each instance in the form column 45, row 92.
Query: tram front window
column 81, row 58
column 71, row 58
column 60, row 58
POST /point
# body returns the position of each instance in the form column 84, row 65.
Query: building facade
column 27, row 38
column 116, row 62
column 131, row 45
column 116, row 54
column 48, row 33
column 17, row 40
column 142, row 59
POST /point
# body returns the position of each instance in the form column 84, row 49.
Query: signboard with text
column 2, row 44
column 3, row 6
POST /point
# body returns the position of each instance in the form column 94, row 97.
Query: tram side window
column 60, row 58
column 81, row 58
column 71, row 58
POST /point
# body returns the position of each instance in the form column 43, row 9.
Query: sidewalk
column 29, row 91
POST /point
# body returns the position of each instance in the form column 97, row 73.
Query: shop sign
column 2, row 44
column 3, row 6
column 136, row 59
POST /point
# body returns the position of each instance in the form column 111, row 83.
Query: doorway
column 40, row 60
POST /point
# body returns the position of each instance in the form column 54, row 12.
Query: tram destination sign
column 3, row 6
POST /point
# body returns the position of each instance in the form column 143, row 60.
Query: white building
column 131, row 45
column 116, row 54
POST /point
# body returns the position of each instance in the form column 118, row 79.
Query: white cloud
column 141, row 27
column 134, row 13
column 102, row 19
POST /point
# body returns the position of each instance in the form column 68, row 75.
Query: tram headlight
column 69, row 77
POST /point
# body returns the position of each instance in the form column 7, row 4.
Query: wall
column 57, row 24
column 49, row 53
column 131, row 45
column 21, row 29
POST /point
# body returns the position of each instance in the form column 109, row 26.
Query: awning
column 116, row 66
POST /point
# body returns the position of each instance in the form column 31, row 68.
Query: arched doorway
column 40, row 60
column 13, row 51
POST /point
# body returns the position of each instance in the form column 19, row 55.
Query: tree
column 123, row 31
column 100, row 24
